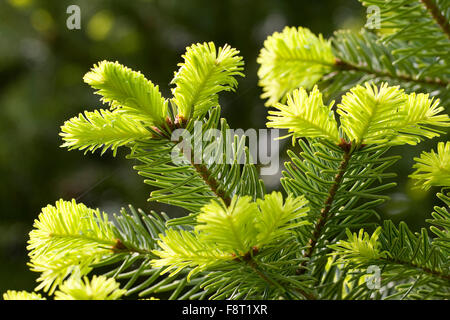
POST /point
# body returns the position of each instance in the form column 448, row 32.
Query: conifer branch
column 211, row 182
column 441, row 21
column 341, row 65
column 207, row 177
column 120, row 247
column 239, row 242
column 432, row 272
column 253, row 264
column 324, row 213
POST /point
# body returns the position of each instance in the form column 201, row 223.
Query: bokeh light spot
column 100, row 25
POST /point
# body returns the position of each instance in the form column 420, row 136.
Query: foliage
column 128, row 91
column 359, row 248
column 204, row 73
column 304, row 112
column 85, row 231
column 101, row 129
column 98, row 288
column 399, row 55
column 291, row 59
column 432, row 168
column 21, row 295
column 237, row 241
column 76, row 288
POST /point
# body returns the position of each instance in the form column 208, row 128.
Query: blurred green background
column 42, row 63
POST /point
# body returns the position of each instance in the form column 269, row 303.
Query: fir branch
column 22, row 295
column 206, row 71
column 211, row 181
column 441, row 222
column 402, row 255
column 305, row 116
column 254, row 265
column 433, row 168
column 363, row 56
column 293, row 58
column 441, row 21
column 189, row 173
column 408, row 263
column 324, row 213
column 207, row 176
column 129, row 91
column 68, row 236
column 419, row 24
column 102, row 129
column 98, row 288
column 138, row 234
column 342, row 65
column 237, row 241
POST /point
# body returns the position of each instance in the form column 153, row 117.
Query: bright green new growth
column 139, row 112
column 224, row 233
column 422, row 112
column 98, row 288
column 291, row 59
column 76, row 288
column 181, row 249
column 415, row 60
column 22, row 295
column 102, row 129
column 276, row 219
column 204, row 73
column 231, row 228
column 305, row 116
column 65, row 237
column 245, row 224
column 368, row 115
column 129, row 91
column 433, row 169
column 359, row 248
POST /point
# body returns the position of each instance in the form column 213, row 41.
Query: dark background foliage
column 42, row 63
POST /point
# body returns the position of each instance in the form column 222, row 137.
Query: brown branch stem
column 424, row 269
column 440, row 19
column 212, row 183
column 346, row 66
column 201, row 169
column 325, row 212
column 120, row 247
column 252, row 263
